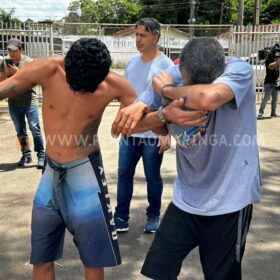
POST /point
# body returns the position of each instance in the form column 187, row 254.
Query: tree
column 8, row 17
column 107, row 11
column 249, row 11
column 206, row 12
column 270, row 12
column 165, row 11
column 172, row 11
column 82, row 8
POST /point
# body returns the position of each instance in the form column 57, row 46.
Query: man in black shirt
column 272, row 63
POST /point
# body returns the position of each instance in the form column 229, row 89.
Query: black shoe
column 121, row 225
column 41, row 162
column 152, row 225
column 260, row 116
column 25, row 159
column 274, row 115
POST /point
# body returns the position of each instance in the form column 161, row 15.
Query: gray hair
column 151, row 25
column 202, row 60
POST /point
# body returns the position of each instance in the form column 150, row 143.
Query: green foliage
column 165, row 11
column 118, row 65
column 172, row 11
column 107, row 11
column 270, row 12
column 178, row 12
column 249, row 11
column 8, row 17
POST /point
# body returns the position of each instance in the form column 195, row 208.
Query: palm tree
column 7, row 17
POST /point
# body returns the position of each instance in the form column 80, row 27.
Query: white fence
column 55, row 38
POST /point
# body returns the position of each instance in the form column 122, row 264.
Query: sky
column 37, row 9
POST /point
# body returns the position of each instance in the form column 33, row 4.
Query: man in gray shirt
column 23, row 107
column 217, row 162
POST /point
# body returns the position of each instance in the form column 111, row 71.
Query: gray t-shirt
column 220, row 173
column 27, row 98
column 141, row 74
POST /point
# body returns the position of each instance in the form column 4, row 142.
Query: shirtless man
column 73, row 192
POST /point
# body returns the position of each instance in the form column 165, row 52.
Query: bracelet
column 165, row 86
column 161, row 116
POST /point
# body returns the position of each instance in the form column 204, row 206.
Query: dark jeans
column 18, row 115
column 269, row 90
column 131, row 150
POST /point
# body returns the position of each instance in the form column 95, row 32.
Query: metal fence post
column 51, row 40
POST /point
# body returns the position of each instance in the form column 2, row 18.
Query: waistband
column 71, row 164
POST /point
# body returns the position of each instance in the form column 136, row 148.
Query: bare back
column 70, row 119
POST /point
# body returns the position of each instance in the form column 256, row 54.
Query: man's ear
column 157, row 38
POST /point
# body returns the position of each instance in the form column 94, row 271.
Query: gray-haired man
column 218, row 176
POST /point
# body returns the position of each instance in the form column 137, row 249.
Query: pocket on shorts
column 45, row 196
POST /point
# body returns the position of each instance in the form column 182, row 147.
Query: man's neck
column 19, row 60
column 150, row 56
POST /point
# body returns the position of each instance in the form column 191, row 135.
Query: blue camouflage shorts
column 74, row 195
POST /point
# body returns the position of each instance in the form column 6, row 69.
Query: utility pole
column 192, row 18
column 240, row 12
column 257, row 13
column 222, row 12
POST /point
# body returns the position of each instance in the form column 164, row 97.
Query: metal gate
column 37, row 38
column 47, row 39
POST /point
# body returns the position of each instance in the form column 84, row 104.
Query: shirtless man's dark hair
column 87, row 63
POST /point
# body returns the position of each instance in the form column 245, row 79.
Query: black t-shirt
column 271, row 75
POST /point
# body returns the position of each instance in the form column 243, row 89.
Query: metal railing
column 47, row 39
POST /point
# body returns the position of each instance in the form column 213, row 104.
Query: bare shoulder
column 120, row 88
column 118, row 83
column 49, row 64
column 44, row 68
column 115, row 79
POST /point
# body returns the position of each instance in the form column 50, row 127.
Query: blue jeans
column 131, row 150
column 18, row 115
column 269, row 89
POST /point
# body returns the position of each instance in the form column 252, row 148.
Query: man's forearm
column 151, row 121
column 3, row 77
column 201, row 97
column 274, row 65
column 162, row 130
column 7, row 89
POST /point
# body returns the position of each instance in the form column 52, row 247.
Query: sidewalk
column 262, row 255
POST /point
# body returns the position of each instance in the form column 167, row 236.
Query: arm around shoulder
column 202, row 97
column 237, row 74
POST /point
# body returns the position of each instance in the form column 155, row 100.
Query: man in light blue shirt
column 140, row 71
column 218, row 177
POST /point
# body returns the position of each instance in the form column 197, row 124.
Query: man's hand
column 164, row 143
column 10, row 70
column 161, row 80
column 174, row 113
column 127, row 118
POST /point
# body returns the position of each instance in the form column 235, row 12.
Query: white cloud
column 37, row 9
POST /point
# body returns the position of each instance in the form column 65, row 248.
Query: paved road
column 17, row 187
